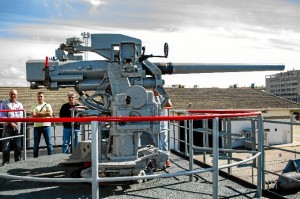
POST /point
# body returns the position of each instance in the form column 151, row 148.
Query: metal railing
column 214, row 132
column 23, row 127
column 277, row 168
column 262, row 168
column 223, row 126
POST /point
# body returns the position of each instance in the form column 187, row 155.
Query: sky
column 197, row 31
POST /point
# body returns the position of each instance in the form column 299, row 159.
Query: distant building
column 233, row 86
column 286, row 84
column 273, row 108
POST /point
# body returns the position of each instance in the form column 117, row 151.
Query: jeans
column 37, row 132
column 67, row 134
column 6, row 144
column 161, row 141
column 163, row 136
column 164, row 141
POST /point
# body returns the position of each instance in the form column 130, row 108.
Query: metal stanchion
column 215, row 157
column 191, row 148
column 260, row 168
column 94, row 153
column 24, row 137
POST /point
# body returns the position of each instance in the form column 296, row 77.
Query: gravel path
column 175, row 187
column 275, row 161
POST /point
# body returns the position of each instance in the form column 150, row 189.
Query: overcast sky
column 204, row 31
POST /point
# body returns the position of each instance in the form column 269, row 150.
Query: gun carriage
column 121, row 84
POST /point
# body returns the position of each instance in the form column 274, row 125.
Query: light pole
column 85, row 36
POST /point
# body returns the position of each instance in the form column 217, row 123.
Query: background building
column 286, row 84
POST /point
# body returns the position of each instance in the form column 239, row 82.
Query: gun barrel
column 186, row 68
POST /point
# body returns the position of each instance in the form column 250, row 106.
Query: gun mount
column 122, row 85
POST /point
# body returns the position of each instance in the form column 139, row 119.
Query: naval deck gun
column 122, row 85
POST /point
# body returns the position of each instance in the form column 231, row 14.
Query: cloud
column 95, row 3
column 170, row 15
column 197, row 31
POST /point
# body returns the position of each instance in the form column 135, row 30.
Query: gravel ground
column 275, row 161
column 175, row 187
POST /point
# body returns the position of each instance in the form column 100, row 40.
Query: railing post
column 254, row 141
column 168, row 132
column 174, row 134
column 94, row 154
column 72, row 131
column 204, row 136
column 24, row 137
column 185, row 138
column 229, row 135
column 191, row 148
column 260, row 162
column 215, row 139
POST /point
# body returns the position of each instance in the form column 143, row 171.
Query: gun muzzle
column 187, row 68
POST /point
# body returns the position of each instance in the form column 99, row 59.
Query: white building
column 273, row 109
column 285, row 84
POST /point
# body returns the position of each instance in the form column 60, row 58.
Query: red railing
column 206, row 114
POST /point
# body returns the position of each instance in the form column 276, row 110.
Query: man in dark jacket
column 65, row 111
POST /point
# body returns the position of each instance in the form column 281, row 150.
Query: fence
column 274, row 158
column 208, row 133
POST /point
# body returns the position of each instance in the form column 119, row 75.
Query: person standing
column 65, row 111
column 163, row 138
column 41, row 110
column 11, row 128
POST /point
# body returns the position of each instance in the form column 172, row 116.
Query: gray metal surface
column 121, row 85
column 187, row 68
